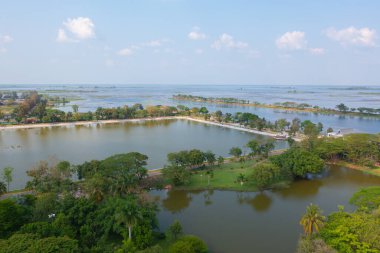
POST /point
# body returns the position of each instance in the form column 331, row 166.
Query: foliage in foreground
column 346, row 232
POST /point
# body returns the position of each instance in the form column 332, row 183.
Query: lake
column 89, row 97
column 23, row 148
column 258, row 222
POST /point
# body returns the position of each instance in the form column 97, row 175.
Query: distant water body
column 93, row 96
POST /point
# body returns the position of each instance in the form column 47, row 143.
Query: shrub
column 189, row 244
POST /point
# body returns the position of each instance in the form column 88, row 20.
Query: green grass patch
column 224, row 178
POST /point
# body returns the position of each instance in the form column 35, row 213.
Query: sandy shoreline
column 95, row 122
column 82, row 123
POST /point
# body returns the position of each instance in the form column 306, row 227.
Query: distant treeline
column 34, row 109
column 340, row 108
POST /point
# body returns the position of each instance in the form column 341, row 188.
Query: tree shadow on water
column 177, row 200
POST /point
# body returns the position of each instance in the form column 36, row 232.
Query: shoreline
column 118, row 121
column 327, row 111
column 82, row 123
column 239, row 128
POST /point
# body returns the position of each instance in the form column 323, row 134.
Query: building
column 341, row 132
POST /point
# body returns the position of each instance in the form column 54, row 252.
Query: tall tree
column 128, row 214
column 312, row 220
column 7, row 176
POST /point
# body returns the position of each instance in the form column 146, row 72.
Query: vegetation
column 7, row 176
column 312, row 220
column 345, row 232
column 107, row 210
column 340, row 108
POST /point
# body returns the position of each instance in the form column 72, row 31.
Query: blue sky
column 190, row 42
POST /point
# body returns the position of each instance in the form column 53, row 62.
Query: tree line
column 106, row 210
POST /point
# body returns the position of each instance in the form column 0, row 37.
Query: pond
column 23, row 148
column 258, row 222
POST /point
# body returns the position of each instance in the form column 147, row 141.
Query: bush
column 266, row 174
column 189, row 244
column 313, row 245
column 368, row 198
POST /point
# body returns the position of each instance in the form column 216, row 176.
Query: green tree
column 299, row 162
column 235, row 152
column 189, row 244
column 7, row 176
column 266, row 148
column 265, row 175
column 309, row 128
column 342, row 108
column 178, row 175
column 54, row 245
column 295, row 126
column 124, row 172
column 220, row 160
column 3, row 188
column 175, row 230
column 12, row 216
column 75, row 108
column 203, row 110
column 312, row 220
column 128, row 214
column 210, row 157
column 254, row 146
column 368, row 198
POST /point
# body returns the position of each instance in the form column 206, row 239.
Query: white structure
column 341, row 132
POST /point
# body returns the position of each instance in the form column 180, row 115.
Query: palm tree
column 3, row 188
column 129, row 215
column 312, row 220
column 7, row 175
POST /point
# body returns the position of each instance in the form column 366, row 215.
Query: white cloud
column 154, row 44
column 195, row 34
column 80, row 28
column 4, row 39
column 227, row 41
column 292, row 41
column 296, row 40
column 317, row 51
column 126, row 52
column 353, row 36
column 62, row 37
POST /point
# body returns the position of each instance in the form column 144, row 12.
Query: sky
column 289, row 42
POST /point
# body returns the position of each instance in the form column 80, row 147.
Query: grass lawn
column 225, row 177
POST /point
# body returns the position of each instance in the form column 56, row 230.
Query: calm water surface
column 258, row 222
column 93, row 96
column 23, row 148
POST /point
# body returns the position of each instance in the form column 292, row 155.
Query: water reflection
column 268, row 221
column 260, row 202
column 207, row 197
column 301, row 189
column 177, row 201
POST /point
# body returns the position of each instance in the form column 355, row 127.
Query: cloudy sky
column 190, row 42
